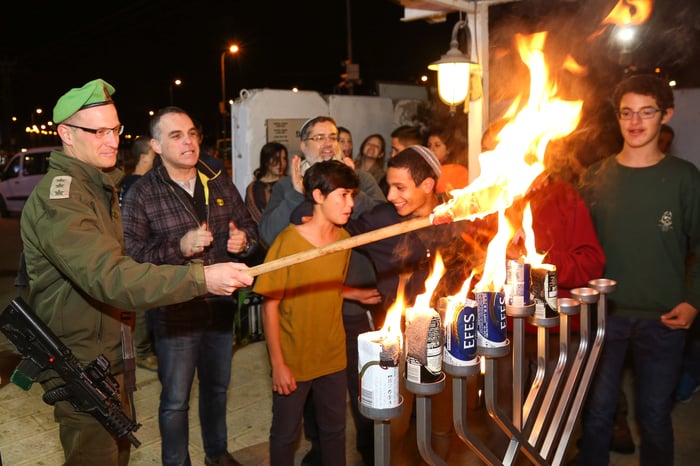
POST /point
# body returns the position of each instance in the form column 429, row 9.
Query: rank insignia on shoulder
column 60, row 187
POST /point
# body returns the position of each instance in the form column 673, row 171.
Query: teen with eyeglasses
column 645, row 206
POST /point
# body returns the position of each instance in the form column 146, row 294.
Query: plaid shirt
column 157, row 213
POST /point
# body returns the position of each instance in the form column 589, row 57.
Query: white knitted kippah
column 429, row 157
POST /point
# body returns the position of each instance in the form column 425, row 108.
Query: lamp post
column 34, row 133
column 174, row 82
column 232, row 49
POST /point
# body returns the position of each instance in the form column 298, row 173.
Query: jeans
column 328, row 395
column 196, row 336
column 656, row 354
column 691, row 355
column 354, row 325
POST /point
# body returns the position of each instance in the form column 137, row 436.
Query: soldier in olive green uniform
column 80, row 280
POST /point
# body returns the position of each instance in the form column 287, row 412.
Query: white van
column 20, row 175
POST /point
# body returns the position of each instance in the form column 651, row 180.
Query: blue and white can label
column 491, row 319
column 460, row 334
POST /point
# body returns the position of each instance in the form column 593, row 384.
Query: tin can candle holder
column 491, row 322
column 460, row 354
column 378, row 367
column 518, row 282
column 545, row 290
column 423, row 345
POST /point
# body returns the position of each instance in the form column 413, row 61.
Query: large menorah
column 541, row 423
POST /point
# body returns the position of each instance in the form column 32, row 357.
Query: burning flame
column 494, row 275
column 509, row 169
column 461, row 296
column 533, row 257
column 573, row 66
column 392, row 323
column 630, row 12
column 626, row 14
column 423, row 300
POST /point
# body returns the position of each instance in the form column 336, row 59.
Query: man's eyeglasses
column 647, row 113
column 100, row 132
column 322, row 137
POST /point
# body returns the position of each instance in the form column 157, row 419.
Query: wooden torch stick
column 464, row 206
column 353, row 241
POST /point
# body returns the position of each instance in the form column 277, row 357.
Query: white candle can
column 378, row 367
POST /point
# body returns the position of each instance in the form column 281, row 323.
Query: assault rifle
column 91, row 389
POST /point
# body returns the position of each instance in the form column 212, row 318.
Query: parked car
column 22, row 172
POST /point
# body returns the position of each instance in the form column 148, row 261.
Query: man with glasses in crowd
column 81, row 282
column 319, row 141
column 645, row 206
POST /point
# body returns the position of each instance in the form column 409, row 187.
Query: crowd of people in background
column 189, row 235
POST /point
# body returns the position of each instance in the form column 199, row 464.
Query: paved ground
column 28, row 435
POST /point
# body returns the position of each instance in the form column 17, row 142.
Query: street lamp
column 233, row 49
column 174, row 82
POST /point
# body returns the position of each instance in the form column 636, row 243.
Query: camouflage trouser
column 84, row 440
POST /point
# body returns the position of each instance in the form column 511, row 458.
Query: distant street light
column 174, row 83
column 233, row 49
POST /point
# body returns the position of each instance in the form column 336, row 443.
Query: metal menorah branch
column 541, row 423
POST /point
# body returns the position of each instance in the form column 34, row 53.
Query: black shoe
column 223, row 460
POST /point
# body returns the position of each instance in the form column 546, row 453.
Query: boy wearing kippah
column 302, row 318
column 412, row 176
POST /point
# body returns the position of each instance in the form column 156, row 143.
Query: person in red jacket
column 561, row 222
column 563, row 231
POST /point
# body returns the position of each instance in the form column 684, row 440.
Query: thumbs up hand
column 237, row 239
column 196, row 241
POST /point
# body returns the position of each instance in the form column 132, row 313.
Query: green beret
column 95, row 93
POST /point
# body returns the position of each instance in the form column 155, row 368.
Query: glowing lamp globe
column 453, row 81
column 453, row 70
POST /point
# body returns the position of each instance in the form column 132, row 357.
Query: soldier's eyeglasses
column 100, row 132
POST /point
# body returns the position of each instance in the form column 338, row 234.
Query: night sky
column 141, row 46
